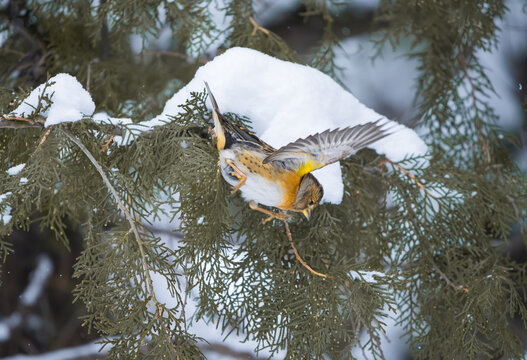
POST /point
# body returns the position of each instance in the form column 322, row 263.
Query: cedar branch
column 409, row 174
column 464, row 68
column 450, row 282
column 133, row 226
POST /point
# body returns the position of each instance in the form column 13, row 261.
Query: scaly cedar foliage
column 430, row 229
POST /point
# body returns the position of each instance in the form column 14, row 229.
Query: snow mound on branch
column 70, row 102
column 15, row 169
column 104, row 118
column 286, row 101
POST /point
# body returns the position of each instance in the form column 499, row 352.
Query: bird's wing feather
column 321, row 149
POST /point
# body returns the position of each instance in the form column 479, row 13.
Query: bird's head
column 309, row 194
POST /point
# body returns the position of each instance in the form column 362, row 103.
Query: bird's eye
column 311, row 202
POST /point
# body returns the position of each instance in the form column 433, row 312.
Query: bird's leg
column 272, row 215
column 238, row 173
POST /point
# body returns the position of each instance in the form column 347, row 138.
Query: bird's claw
column 282, row 217
column 271, row 215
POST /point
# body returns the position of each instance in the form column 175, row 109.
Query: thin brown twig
column 298, row 257
column 106, row 144
column 44, row 138
column 257, row 27
column 16, row 118
column 133, row 226
column 14, row 122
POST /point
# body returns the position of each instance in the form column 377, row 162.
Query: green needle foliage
column 430, row 228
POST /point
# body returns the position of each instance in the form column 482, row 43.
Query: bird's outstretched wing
column 321, row 149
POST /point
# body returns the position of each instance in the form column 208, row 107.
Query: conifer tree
column 429, row 228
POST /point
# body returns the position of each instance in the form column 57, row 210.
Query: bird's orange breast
column 287, row 179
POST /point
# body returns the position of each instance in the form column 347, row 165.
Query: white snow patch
column 393, row 343
column 6, row 324
column 4, row 332
column 23, row 180
column 6, row 215
column 4, row 35
column 39, row 277
column 15, row 169
column 88, row 350
column 287, row 101
column 104, row 118
column 163, row 295
column 70, row 102
column 367, row 276
column 388, row 82
column 4, row 196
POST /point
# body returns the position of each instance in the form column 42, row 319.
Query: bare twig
column 257, row 27
column 106, row 144
column 288, row 233
column 18, row 122
column 8, row 123
column 16, row 118
column 46, row 135
column 133, row 226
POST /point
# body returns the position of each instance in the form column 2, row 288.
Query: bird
column 281, row 178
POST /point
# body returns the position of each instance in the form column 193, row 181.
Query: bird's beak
column 307, row 213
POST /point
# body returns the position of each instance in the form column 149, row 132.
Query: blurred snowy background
column 35, row 296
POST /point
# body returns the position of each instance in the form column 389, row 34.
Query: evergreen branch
column 298, row 257
column 223, row 349
column 200, row 60
column 450, row 282
column 464, row 68
column 410, row 175
column 517, row 213
column 133, row 227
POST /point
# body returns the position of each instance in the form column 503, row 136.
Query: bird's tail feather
column 218, row 126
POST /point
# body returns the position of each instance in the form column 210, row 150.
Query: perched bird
column 282, row 178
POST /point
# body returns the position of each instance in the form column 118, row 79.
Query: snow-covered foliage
column 286, row 101
column 64, row 100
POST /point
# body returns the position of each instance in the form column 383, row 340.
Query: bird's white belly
column 256, row 187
